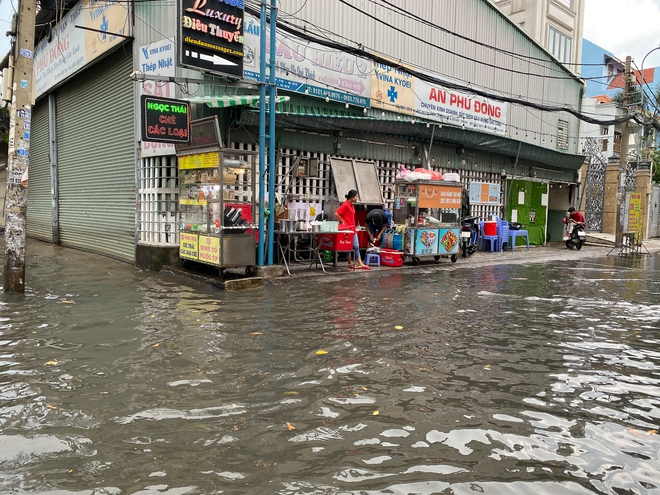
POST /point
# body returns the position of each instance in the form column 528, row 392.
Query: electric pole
column 623, row 160
column 20, row 117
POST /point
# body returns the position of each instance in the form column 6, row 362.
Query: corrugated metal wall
column 96, row 158
column 528, row 73
column 39, row 210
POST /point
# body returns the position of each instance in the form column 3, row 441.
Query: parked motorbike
column 469, row 235
column 577, row 238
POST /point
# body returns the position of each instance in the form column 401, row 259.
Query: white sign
column 309, row 68
column 157, row 59
column 447, row 105
column 72, row 48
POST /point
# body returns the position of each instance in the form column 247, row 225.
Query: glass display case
column 430, row 210
column 217, row 207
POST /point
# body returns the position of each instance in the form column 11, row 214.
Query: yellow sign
column 199, row 160
column 193, row 202
column 392, row 89
column 439, row 196
column 105, row 19
column 635, row 213
column 188, row 246
column 209, row 249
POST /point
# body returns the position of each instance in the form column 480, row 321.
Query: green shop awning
column 233, row 101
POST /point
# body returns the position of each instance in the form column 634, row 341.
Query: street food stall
column 217, row 206
column 430, row 211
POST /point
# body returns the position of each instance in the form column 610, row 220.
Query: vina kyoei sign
column 210, row 35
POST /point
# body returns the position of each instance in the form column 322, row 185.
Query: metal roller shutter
column 39, row 210
column 96, row 158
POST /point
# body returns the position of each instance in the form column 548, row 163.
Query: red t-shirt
column 576, row 216
column 347, row 212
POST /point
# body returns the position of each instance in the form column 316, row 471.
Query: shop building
column 455, row 87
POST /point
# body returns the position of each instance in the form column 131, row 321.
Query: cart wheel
column 436, row 257
column 454, row 257
column 249, row 271
column 415, row 260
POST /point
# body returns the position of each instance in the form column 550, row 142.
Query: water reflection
column 505, row 379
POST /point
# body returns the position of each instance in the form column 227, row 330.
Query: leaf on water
column 365, row 388
column 375, row 413
column 179, row 353
column 290, row 426
column 634, row 431
column 487, row 367
column 51, row 362
column 398, row 327
column 51, row 407
column 291, row 392
column 321, row 352
column 255, row 333
column 70, row 471
column 652, row 432
column 153, row 316
column 356, row 394
column 385, row 299
column 214, row 302
column 155, row 345
column 65, row 301
column 238, row 317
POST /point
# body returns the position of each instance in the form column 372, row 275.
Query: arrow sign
column 216, row 60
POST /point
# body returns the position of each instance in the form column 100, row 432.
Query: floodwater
column 520, row 379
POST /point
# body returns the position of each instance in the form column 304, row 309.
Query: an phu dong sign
column 211, row 35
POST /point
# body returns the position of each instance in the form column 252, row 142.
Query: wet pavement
column 534, row 372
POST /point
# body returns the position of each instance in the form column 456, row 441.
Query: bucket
column 490, row 228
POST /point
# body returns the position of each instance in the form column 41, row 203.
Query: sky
column 622, row 27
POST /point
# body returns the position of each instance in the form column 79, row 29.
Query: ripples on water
column 540, row 379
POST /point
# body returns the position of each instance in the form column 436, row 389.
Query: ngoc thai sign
column 165, row 120
column 210, row 35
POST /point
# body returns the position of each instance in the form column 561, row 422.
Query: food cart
column 430, row 211
column 217, row 204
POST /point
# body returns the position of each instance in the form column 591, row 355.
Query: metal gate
column 654, row 216
column 96, row 159
column 595, row 184
column 39, row 211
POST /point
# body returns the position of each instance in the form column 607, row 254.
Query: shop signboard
column 392, row 89
column 441, row 104
column 438, row 196
column 309, row 68
column 421, row 241
column 188, row 246
column 85, row 33
column 448, row 243
column 204, row 134
column 209, row 249
column 484, row 193
column 199, row 160
column 157, row 59
column 210, row 36
column 635, row 214
column 165, row 120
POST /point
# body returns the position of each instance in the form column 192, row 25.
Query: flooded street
column 513, row 379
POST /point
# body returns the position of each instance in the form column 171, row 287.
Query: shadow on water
column 502, row 379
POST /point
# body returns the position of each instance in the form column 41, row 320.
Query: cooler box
column 391, row 257
column 363, row 238
column 336, row 242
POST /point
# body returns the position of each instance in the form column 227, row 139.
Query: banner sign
column 71, row 48
column 165, row 120
column 309, row 68
column 393, row 90
column 484, row 193
column 635, row 213
column 204, row 133
column 157, row 59
column 432, row 196
column 447, row 105
column 210, row 35
column 188, row 246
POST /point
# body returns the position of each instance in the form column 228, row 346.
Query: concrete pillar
column 609, row 202
column 644, row 186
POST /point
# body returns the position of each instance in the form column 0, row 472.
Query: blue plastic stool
column 372, row 259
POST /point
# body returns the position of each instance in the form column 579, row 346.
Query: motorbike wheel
column 569, row 244
column 465, row 249
column 415, row 260
column 578, row 244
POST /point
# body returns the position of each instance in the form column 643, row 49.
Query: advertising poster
column 635, row 213
column 71, row 48
column 448, row 243
column 392, row 89
column 433, row 196
column 209, row 249
column 309, row 68
column 188, row 246
column 464, row 109
column 484, row 193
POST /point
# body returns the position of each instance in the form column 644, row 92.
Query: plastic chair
column 514, row 234
column 504, row 234
column 491, row 240
column 372, row 259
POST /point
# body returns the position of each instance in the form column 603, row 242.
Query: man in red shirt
column 574, row 218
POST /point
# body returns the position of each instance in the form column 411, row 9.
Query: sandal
column 364, row 267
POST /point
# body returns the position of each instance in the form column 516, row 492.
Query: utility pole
column 623, row 160
column 19, row 150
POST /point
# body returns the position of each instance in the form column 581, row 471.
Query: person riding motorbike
column 573, row 219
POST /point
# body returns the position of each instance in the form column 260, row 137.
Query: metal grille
column 158, row 201
column 631, row 176
column 595, row 184
column 39, row 211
